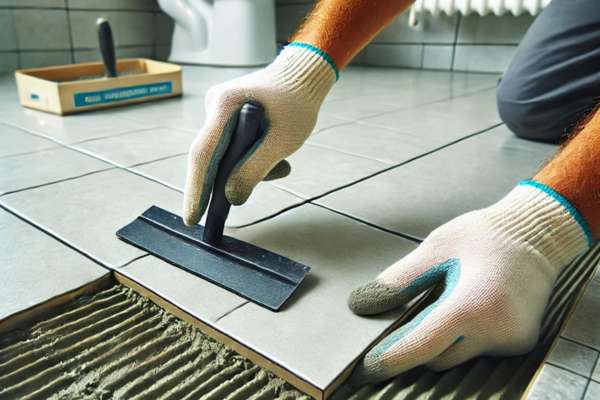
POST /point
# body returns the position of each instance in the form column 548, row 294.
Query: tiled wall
column 471, row 43
column 49, row 32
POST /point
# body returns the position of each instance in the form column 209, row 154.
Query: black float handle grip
column 107, row 47
column 247, row 132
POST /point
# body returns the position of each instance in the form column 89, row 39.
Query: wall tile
column 129, row 28
column 8, row 39
column 33, row 59
column 431, row 29
column 9, row 61
column 134, row 52
column 147, row 5
column 162, row 52
column 437, row 57
column 42, row 29
column 394, row 55
column 288, row 18
column 33, row 3
column 483, row 58
column 164, row 29
column 506, row 29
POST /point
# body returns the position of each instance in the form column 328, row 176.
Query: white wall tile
column 394, row 55
column 505, row 29
column 32, row 59
column 8, row 38
column 437, row 57
column 41, row 29
column 480, row 58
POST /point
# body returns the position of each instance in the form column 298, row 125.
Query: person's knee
column 526, row 116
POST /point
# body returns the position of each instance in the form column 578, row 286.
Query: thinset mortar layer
column 116, row 344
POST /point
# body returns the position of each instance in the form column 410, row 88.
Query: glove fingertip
column 372, row 298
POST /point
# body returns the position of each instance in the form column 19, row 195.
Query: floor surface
column 395, row 153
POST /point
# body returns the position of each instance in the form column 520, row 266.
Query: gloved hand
column 291, row 90
column 497, row 267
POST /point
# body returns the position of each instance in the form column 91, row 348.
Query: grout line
column 156, row 160
column 52, row 235
column 53, row 182
column 454, row 44
column 70, row 32
column 116, row 135
column 268, row 217
column 567, row 370
column 587, row 346
column 231, row 311
column 372, row 225
column 349, row 153
column 134, row 260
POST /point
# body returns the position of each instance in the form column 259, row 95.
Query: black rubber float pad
column 259, row 275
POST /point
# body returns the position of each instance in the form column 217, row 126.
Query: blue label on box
column 83, row 99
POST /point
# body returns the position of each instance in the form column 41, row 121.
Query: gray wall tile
column 394, row 55
column 437, row 57
column 505, row 29
column 129, row 28
column 133, row 52
column 164, row 29
column 288, row 18
column 8, row 39
column 431, row 29
column 162, row 52
column 42, row 29
column 32, row 59
column 147, row 5
column 34, row 3
column 483, row 58
column 9, row 61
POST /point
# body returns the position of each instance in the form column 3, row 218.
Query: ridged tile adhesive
column 116, row 344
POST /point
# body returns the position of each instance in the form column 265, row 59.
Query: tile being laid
column 574, row 357
column 317, row 170
column 140, row 146
column 45, row 166
column 266, row 199
column 316, row 336
column 37, row 267
column 416, row 197
column 557, row 384
column 16, row 141
column 583, row 326
column 195, row 295
column 87, row 211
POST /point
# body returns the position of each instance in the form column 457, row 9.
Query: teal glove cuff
column 320, row 52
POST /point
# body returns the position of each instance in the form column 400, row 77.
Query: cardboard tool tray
column 67, row 89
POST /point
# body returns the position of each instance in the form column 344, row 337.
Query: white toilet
column 222, row 32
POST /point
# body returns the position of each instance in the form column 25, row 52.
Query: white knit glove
column 291, row 90
column 497, row 267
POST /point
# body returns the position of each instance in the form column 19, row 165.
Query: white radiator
column 481, row 7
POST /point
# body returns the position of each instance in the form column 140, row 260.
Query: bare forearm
column 342, row 28
column 575, row 172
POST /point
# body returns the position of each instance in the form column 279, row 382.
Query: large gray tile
column 15, row 141
column 266, row 199
column 203, row 299
column 33, row 3
column 34, row 59
column 37, row 267
column 439, row 28
column 446, row 120
column 505, row 29
column 557, row 384
column 482, row 58
column 146, row 5
column 9, row 61
column 316, row 170
column 86, row 212
column 316, row 336
column 130, row 28
column 71, row 128
column 164, row 29
column 139, row 147
column 574, row 357
column 28, row 170
column 593, row 391
column 417, row 197
column 8, row 38
column 289, row 17
column 394, row 55
column 584, row 326
column 40, row 29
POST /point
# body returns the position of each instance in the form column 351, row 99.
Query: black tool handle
column 246, row 133
column 107, row 47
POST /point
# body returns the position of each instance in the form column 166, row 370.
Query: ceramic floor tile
column 305, row 335
column 86, row 212
column 265, row 201
column 596, row 373
column 42, row 167
column 584, row 325
column 141, row 146
column 16, row 141
column 317, row 170
column 68, row 129
column 417, row 197
column 593, row 391
column 354, row 109
column 557, row 384
column 439, row 121
column 27, row 255
column 574, row 357
column 197, row 296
